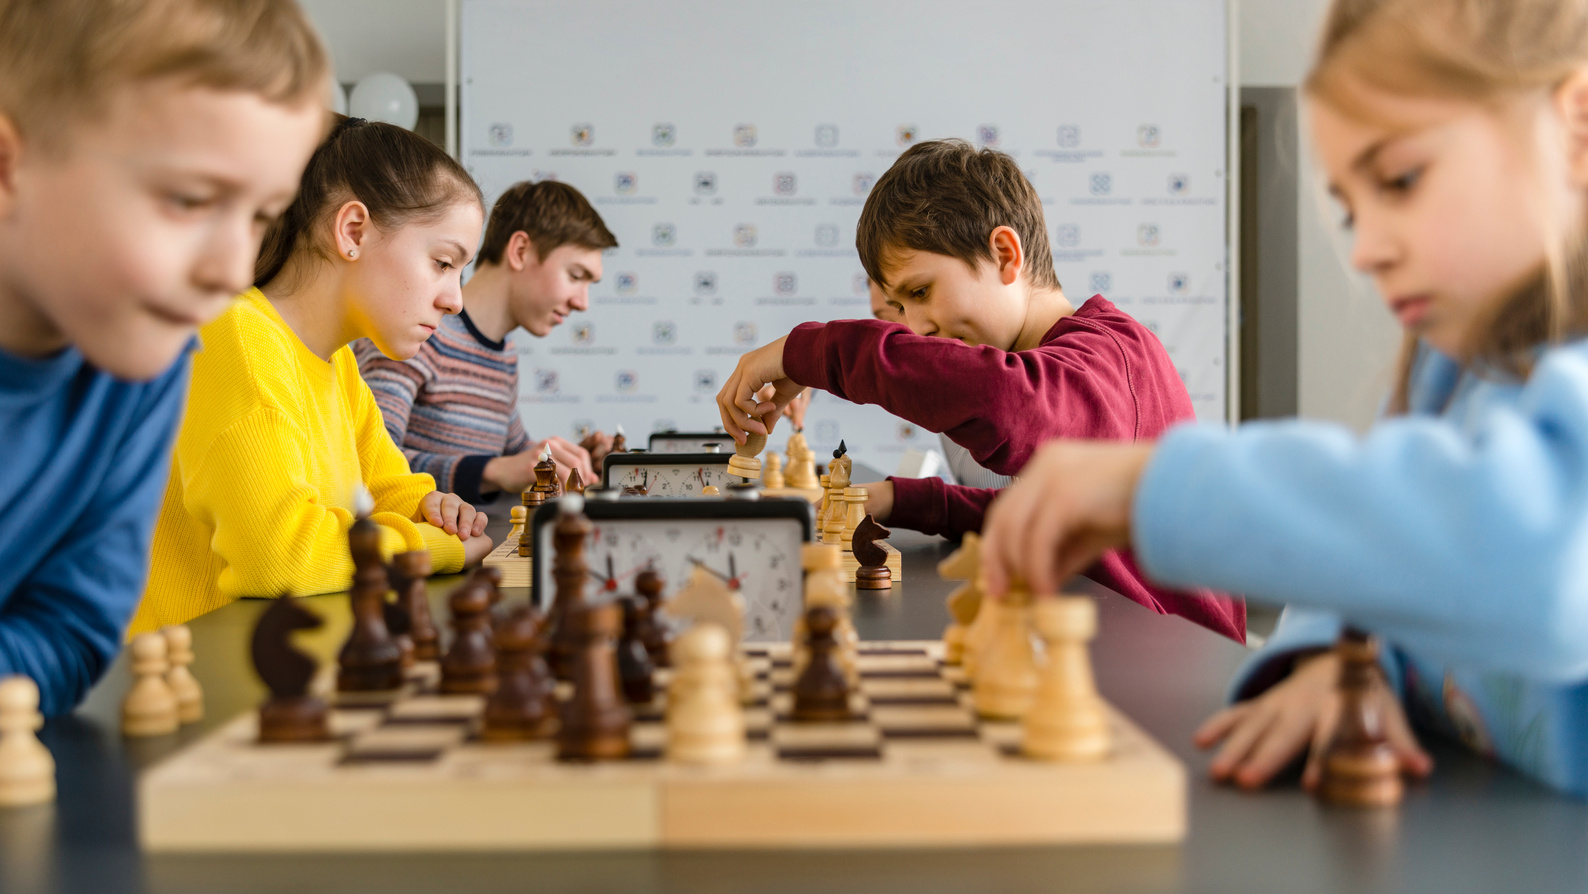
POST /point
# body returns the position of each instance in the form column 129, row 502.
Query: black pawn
column 634, row 660
column 594, row 720
column 523, row 706
column 821, row 693
column 470, row 665
column 652, row 631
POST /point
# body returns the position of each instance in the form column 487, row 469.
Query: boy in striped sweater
column 452, row 408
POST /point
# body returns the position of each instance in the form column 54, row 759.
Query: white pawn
column 27, row 772
column 1066, row 720
column 189, row 694
column 705, row 724
column 1006, row 673
column 150, row 707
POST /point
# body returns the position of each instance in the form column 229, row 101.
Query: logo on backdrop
column 626, row 380
column 1069, row 136
column 500, row 135
column 744, row 333
column 664, row 235
column 546, row 381
column 705, row 183
column 987, row 135
column 827, row 431
column 663, row 134
column 625, row 182
column 744, row 136
column 860, row 283
column 1179, row 184
column 1067, row 235
column 582, row 134
column 1148, row 235
column 583, row 427
column 906, row 134
column 664, row 332
column 907, row 432
column 1179, row 283
column 785, row 283
column 784, row 183
column 1101, row 184
column 706, row 282
column 826, row 235
column 826, row 135
column 1148, row 136
column 705, row 380
column 626, row 283
column 1101, row 281
column 745, row 235
column 863, row 182
column 582, row 333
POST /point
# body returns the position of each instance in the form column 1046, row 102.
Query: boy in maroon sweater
column 990, row 352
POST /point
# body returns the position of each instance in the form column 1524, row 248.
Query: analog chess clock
column 751, row 545
column 668, row 474
column 717, row 441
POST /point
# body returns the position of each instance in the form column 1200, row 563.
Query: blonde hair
column 61, row 60
column 1489, row 52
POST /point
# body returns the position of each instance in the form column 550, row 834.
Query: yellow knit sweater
column 265, row 472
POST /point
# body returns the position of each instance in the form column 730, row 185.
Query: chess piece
column 490, row 579
column 369, row 660
column 150, row 708
column 821, row 691
column 1359, row 766
column 291, row 714
column 873, row 573
column 575, row 483
column 27, row 771
column 772, row 475
column 620, row 444
column 825, row 587
column 1066, row 721
column 710, row 490
column 524, row 704
column 705, row 724
column 409, row 573
column 707, row 597
column 533, row 499
column 963, row 604
column 854, row 513
column 570, row 573
column 470, row 665
column 745, row 461
column 400, row 626
column 801, row 462
column 1006, row 679
column 634, row 661
column 595, row 720
column 546, row 483
column 653, row 632
column 835, row 509
column 179, row 652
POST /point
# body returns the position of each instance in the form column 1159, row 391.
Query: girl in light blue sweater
column 1454, row 135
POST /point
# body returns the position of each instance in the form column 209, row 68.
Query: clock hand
column 714, row 572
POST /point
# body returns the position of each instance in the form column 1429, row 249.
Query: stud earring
column 352, row 253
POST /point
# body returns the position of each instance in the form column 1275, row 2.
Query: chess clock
column 690, row 442
column 668, row 474
column 753, row 545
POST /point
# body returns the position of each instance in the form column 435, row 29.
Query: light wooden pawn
column 150, row 708
column 964, row 603
column 980, row 632
column 854, row 514
column 825, row 586
column 710, row 490
column 189, row 694
column 1006, row 675
column 801, row 462
column 1066, row 721
column 837, row 511
column 773, row 472
column 705, row 724
column 27, row 771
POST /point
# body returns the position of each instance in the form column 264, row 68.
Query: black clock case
column 662, row 459
column 705, row 437
column 680, row 508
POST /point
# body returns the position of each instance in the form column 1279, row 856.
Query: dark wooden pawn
column 533, row 499
column 634, row 660
column 570, row 573
column 594, row 719
column 470, row 665
column 1359, row 766
column 575, row 483
column 873, row 573
column 490, row 577
column 370, row 660
column 524, row 705
column 400, row 625
column 821, row 692
column 409, row 573
column 291, row 714
column 653, row 632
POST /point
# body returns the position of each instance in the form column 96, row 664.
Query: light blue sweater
column 1459, row 534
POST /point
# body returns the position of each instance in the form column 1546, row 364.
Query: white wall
column 1346, row 341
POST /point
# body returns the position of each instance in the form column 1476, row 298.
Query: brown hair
column 1486, row 51
column 400, row 177
column 946, row 197
column 60, row 60
column 550, row 213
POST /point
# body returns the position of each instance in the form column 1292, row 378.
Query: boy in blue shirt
column 143, row 149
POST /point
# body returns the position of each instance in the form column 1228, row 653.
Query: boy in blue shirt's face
column 139, row 165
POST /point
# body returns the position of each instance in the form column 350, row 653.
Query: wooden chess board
column 915, row 767
column 517, row 571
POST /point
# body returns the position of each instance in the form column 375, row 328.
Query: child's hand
column 475, row 549
column 598, row 444
column 569, row 456
column 737, row 402
column 1263, row 735
column 451, row 514
column 879, row 500
column 1071, row 503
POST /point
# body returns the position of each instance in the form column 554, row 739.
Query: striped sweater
column 452, row 408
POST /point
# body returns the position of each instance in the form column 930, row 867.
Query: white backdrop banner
column 730, row 146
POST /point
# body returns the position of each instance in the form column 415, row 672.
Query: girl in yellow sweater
column 281, row 432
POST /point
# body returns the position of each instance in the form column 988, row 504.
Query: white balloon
column 384, row 96
column 338, row 99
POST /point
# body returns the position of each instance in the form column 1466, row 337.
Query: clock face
column 661, row 479
column 760, row 557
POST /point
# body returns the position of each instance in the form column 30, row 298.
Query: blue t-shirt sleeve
column 63, row 625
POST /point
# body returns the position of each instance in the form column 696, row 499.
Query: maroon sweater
column 1098, row 374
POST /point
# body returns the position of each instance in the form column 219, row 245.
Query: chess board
column 517, row 571
column 914, row 767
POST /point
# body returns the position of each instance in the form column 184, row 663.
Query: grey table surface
column 1472, row 827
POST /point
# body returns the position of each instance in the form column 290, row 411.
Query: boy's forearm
column 933, row 506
